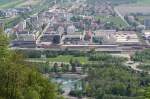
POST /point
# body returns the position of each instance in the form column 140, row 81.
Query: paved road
column 47, row 26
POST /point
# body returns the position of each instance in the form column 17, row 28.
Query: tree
column 20, row 80
column 56, row 39
column 32, row 94
column 3, row 44
column 73, row 65
column 108, row 77
column 145, row 93
column 55, row 67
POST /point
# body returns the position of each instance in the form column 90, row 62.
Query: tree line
column 20, row 80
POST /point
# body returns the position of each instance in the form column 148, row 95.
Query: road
column 100, row 48
column 76, row 4
column 45, row 29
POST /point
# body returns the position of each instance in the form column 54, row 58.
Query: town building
column 73, row 39
column 147, row 23
column 103, row 37
column 147, row 34
column 24, row 39
column 126, row 37
column 71, row 29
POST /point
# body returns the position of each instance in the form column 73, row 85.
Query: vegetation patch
column 143, row 56
column 145, row 67
column 10, row 4
column 67, row 58
column 116, row 21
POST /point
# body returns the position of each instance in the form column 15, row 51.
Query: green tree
column 20, row 80
column 32, row 94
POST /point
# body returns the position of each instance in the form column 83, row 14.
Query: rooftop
column 126, row 37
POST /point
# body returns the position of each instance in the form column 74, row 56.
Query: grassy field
column 36, row 8
column 67, row 58
column 4, row 4
column 4, row 1
column 10, row 3
column 29, row 2
column 143, row 2
column 117, row 21
column 63, row 58
column 135, row 2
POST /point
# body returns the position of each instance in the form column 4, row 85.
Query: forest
column 20, row 80
column 108, row 76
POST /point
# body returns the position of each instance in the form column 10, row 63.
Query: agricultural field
column 117, row 21
column 143, row 2
column 67, row 58
column 128, row 9
column 114, row 2
column 132, row 2
column 62, row 58
column 37, row 7
column 29, row 2
column 10, row 3
column 4, row 1
column 4, row 4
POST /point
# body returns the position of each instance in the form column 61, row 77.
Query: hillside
column 17, row 3
column 19, row 80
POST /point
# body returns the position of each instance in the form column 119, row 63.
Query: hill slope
column 17, row 3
